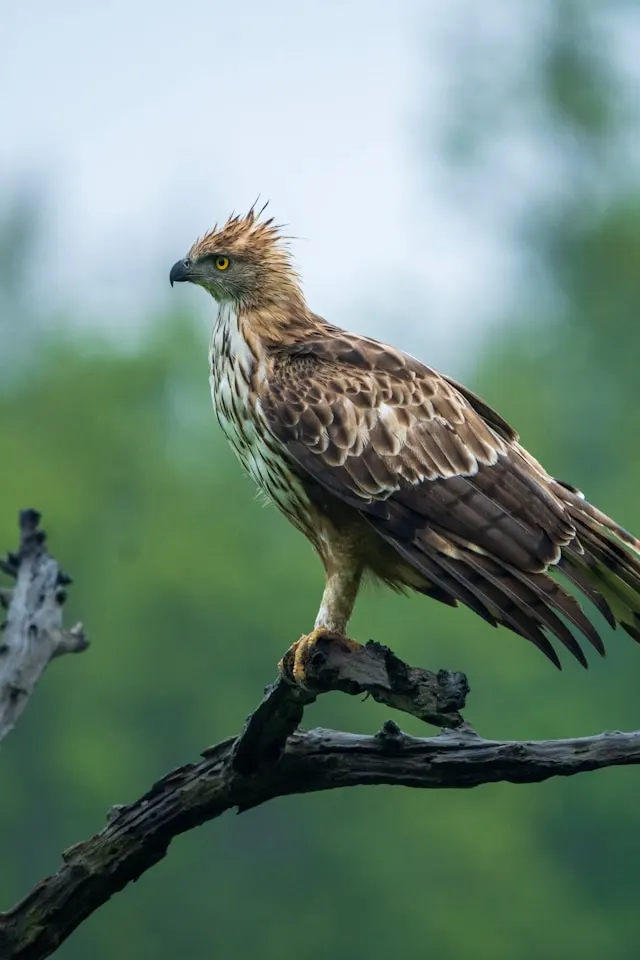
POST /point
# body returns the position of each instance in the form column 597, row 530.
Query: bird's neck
column 278, row 323
column 233, row 343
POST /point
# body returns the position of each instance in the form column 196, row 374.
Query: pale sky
column 148, row 120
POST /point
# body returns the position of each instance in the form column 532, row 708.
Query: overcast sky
column 148, row 121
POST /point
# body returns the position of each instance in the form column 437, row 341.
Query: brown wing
column 436, row 472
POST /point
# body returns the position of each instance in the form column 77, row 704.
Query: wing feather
column 443, row 479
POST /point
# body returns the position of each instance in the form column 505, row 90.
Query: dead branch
column 372, row 670
column 32, row 634
column 273, row 758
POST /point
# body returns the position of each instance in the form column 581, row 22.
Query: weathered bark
column 273, row 758
column 32, row 634
column 372, row 670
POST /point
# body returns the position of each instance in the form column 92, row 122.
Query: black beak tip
column 180, row 272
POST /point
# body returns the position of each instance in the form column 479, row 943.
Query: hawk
column 392, row 469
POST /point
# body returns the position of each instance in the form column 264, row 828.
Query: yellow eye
column 222, row 263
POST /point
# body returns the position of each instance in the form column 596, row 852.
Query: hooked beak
column 180, row 272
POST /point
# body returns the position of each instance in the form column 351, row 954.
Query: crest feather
column 251, row 236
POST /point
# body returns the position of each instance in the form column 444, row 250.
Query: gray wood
column 32, row 635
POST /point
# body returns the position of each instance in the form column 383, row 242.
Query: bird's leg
column 338, row 599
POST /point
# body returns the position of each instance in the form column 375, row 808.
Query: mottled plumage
column 391, row 468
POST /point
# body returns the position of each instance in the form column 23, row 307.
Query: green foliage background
column 191, row 590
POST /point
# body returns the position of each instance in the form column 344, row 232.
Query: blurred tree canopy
column 190, row 590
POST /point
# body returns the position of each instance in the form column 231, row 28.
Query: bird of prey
column 392, row 469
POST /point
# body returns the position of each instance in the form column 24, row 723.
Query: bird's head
column 246, row 261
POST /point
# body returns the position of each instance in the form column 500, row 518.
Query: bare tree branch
column 271, row 758
column 32, row 634
column 372, row 670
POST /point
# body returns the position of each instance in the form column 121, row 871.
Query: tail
column 596, row 561
column 602, row 560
